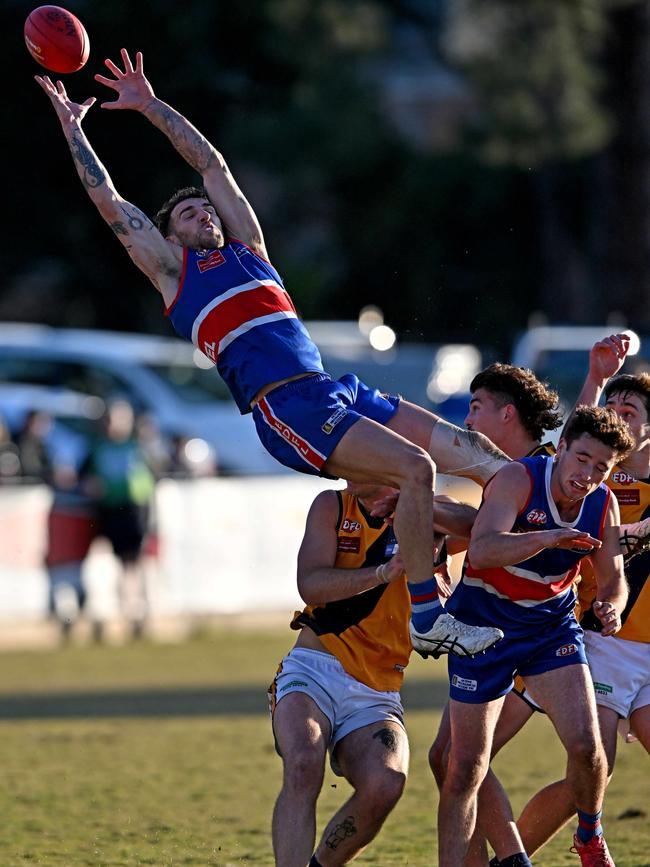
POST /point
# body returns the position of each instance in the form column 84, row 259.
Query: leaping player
column 208, row 260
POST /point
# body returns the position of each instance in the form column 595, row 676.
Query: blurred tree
column 343, row 122
column 562, row 85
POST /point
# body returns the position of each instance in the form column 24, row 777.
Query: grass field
column 162, row 755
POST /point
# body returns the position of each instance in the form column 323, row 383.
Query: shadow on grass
column 419, row 695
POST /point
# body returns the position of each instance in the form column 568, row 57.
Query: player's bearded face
column 194, row 223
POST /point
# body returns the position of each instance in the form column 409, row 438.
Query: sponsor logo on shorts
column 603, row 688
column 566, row 650
column 294, row 683
column 333, row 420
column 464, row 683
column 351, row 526
column 536, row 516
column 628, row 498
column 623, row 478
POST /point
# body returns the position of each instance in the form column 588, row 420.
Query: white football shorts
column 347, row 703
column 620, row 670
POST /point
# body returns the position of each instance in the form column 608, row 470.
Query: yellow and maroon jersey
column 369, row 632
column 633, row 497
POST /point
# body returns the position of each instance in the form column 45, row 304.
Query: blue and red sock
column 425, row 605
column 589, row 826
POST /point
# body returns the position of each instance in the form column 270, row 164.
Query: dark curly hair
column 603, row 424
column 535, row 402
column 162, row 217
column 626, row 383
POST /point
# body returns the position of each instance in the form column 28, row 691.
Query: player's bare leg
column 374, row 760
column 549, row 810
column 494, row 820
column 302, row 732
column 472, row 728
column 455, row 450
column 640, row 726
column 567, row 696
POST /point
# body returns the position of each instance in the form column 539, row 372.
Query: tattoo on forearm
column 93, row 174
column 388, row 737
column 341, row 832
column 187, row 140
column 119, row 228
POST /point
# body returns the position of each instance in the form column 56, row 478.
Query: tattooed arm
column 160, row 260
column 135, row 92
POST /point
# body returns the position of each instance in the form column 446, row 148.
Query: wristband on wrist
column 380, row 574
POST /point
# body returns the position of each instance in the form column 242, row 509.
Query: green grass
column 162, row 755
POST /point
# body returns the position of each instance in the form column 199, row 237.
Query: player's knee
column 383, row 791
column 588, row 752
column 304, row 771
column 419, row 468
column 438, row 755
column 465, row 773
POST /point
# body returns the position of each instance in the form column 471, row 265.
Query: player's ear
column 509, row 411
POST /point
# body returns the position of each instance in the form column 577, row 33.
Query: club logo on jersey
column 351, row 526
column 333, row 420
column 537, row 517
column 210, row 350
column 464, row 683
column 213, row 260
column 623, row 478
column 566, row 650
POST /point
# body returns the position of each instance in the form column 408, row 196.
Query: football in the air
column 56, row 39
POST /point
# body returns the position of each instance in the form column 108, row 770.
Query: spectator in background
column 118, row 479
column 9, row 458
column 32, row 448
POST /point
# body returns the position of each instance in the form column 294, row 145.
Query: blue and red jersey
column 541, row 586
column 232, row 305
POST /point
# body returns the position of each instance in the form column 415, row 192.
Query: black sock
column 314, row 862
column 520, row 859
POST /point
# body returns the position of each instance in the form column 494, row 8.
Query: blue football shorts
column 301, row 423
column 490, row 675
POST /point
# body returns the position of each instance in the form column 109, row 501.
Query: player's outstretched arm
column 136, row 93
column 492, row 543
column 137, row 234
column 610, row 576
column 606, row 358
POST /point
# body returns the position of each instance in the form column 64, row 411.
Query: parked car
column 74, row 418
column 164, row 377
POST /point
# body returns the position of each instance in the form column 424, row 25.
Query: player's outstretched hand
column 608, row 616
column 68, row 111
column 607, row 356
column 133, row 89
column 573, row 540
